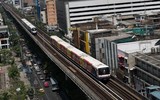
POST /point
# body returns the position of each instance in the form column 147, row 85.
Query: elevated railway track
column 96, row 90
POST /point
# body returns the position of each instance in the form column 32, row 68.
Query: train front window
column 103, row 71
column 33, row 29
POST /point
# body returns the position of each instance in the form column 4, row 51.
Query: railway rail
column 113, row 90
column 125, row 92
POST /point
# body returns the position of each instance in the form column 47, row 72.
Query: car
column 46, row 84
column 36, row 67
column 39, row 73
column 54, row 84
column 45, row 71
column 41, row 90
column 30, row 93
column 47, row 78
column 41, row 77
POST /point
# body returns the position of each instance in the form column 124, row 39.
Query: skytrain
column 29, row 26
column 96, row 68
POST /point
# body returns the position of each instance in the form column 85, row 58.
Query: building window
column 4, row 47
column 4, row 42
column 103, row 55
column 4, row 35
column 100, row 50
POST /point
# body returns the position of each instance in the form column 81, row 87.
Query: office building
column 81, row 11
column 51, row 12
column 4, row 35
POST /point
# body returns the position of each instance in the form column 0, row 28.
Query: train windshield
column 33, row 29
column 103, row 71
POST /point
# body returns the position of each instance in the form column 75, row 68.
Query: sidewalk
column 4, row 78
column 23, row 76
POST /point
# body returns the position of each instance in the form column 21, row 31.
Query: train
column 29, row 26
column 91, row 65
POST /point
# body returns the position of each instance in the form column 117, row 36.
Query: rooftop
column 118, row 36
column 153, row 87
column 156, row 94
column 149, row 58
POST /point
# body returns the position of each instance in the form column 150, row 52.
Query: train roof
column 56, row 38
column 28, row 23
column 77, row 52
column 156, row 94
column 94, row 62
column 60, row 41
column 87, row 57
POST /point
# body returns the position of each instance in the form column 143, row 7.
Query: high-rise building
column 71, row 12
column 4, row 35
column 51, row 12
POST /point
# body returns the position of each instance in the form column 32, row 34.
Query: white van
column 54, row 84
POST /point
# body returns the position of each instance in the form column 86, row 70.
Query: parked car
column 41, row 90
column 39, row 73
column 36, row 67
column 54, row 83
column 41, row 77
column 47, row 78
column 45, row 71
column 46, row 84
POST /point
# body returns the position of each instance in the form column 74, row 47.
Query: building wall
column 51, row 12
column 127, row 50
column 43, row 17
column 4, row 37
column 147, row 70
column 80, row 11
column 29, row 2
column 106, row 52
column 1, row 20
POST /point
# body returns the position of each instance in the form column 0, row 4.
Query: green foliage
column 5, row 56
column 5, row 96
column 21, row 95
column 13, row 72
column 14, row 38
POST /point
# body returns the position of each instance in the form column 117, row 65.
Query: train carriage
column 29, row 26
column 64, row 47
column 75, row 57
column 61, row 45
column 101, row 69
column 90, row 64
column 56, row 41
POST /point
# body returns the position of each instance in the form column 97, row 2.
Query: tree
column 13, row 72
column 5, row 96
column 5, row 56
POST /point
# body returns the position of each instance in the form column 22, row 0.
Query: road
column 37, row 83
